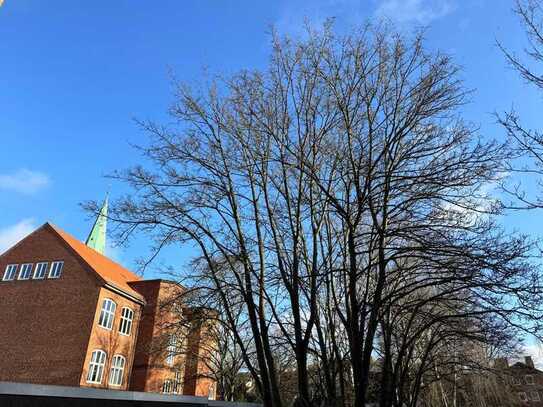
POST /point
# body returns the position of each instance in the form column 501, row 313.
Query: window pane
column 41, row 268
column 116, row 372
column 26, row 270
column 96, row 366
column 56, row 269
column 11, row 271
column 126, row 321
column 107, row 314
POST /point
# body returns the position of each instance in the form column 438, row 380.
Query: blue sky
column 74, row 74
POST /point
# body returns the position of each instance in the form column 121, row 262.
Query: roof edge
column 24, row 238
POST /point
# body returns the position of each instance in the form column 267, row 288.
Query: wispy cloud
column 12, row 234
column 348, row 13
column 414, row 11
column 24, row 181
column 296, row 14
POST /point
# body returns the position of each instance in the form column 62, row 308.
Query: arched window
column 117, row 370
column 96, row 366
column 127, row 315
column 107, row 315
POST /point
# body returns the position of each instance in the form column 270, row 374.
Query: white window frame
column 57, row 267
column 12, row 270
column 534, row 396
column 529, row 379
column 522, row 396
column 116, row 372
column 41, row 265
column 171, row 350
column 96, row 366
column 127, row 316
column 107, row 314
column 167, row 386
column 178, row 382
column 25, row 267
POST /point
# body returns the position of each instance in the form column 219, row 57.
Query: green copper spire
column 97, row 236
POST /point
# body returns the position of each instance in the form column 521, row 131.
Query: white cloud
column 12, row 234
column 24, row 181
column 536, row 352
column 348, row 13
column 414, row 11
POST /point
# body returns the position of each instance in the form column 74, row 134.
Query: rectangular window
column 178, row 383
column 534, row 395
column 56, row 269
column 167, row 386
column 522, row 396
column 127, row 315
column 11, row 271
column 171, row 350
column 26, row 271
column 529, row 379
column 41, row 269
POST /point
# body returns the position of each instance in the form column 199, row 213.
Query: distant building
column 524, row 380
column 71, row 316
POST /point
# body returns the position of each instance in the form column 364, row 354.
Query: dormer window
column 56, row 269
column 26, row 271
column 11, row 271
column 40, row 271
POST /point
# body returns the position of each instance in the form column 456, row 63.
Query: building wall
column 526, row 384
column 45, row 324
column 161, row 318
column 201, row 337
column 111, row 341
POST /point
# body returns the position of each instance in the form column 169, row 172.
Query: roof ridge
column 58, row 229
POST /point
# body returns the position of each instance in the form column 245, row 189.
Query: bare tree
column 528, row 142
column 334, row 198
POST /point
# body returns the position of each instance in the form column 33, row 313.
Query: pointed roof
column 112, row 273
column 97, row 236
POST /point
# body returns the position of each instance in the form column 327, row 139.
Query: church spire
column 97, row 236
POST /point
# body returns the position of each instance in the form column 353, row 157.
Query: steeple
column 97, row 236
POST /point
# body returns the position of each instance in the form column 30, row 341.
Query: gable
column 106, row 271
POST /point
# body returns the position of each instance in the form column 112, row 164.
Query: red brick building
column 71, row 316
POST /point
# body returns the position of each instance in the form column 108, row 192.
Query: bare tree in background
column 338, row 206
column 529, row 142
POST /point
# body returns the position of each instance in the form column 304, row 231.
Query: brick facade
column 49, row 328
column 525, row 382
column 163, row 317
column 45, row 324
column 112, row 341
